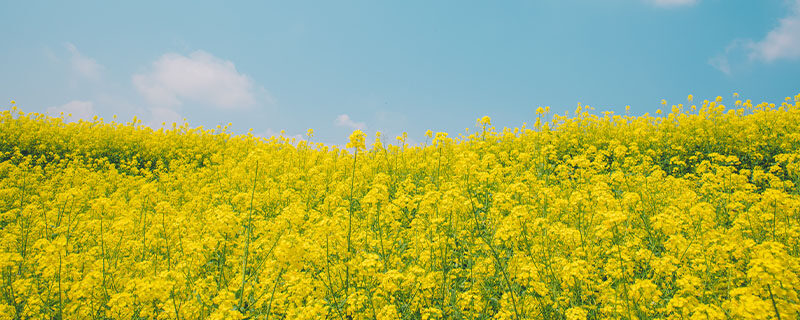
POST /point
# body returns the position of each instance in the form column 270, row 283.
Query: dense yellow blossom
column 693, row 214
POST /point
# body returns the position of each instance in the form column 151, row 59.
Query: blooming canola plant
column 691, row 213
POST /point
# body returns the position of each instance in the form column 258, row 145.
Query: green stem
column 350, row 228
column 272, row 296
column 248, row 230
column 774, row 305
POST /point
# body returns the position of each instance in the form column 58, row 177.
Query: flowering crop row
column 690, row 214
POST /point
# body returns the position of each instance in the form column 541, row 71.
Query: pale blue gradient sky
column 389, row 66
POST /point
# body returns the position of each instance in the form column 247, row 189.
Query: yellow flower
column 576, row 313
column 603, row 216
column 440, row 138
column 357, row 140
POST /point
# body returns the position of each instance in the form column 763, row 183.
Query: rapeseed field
column 690, row 213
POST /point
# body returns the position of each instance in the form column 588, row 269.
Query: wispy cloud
column 344, row 120
column 673, row 3
column 782, row 42
column 83, row 65
column 732, row 51
column 199, row 77
column 720, row 63
column 77, row 109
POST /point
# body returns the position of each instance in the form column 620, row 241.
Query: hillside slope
column 695, row 213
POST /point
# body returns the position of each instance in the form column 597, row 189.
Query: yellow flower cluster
column 693, row 214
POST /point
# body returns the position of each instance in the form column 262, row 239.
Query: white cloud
column 783, row 42
column 344, row 120
column 83, row 65
column 199, row 77
column 673, row 3
column 720, row 63
column 733, row 50
column 78, row 110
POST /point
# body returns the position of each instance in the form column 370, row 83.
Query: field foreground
column 694, row 213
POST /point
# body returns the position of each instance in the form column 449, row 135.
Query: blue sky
column 389, row 66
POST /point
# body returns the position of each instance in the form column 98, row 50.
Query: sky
column 389, row 66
